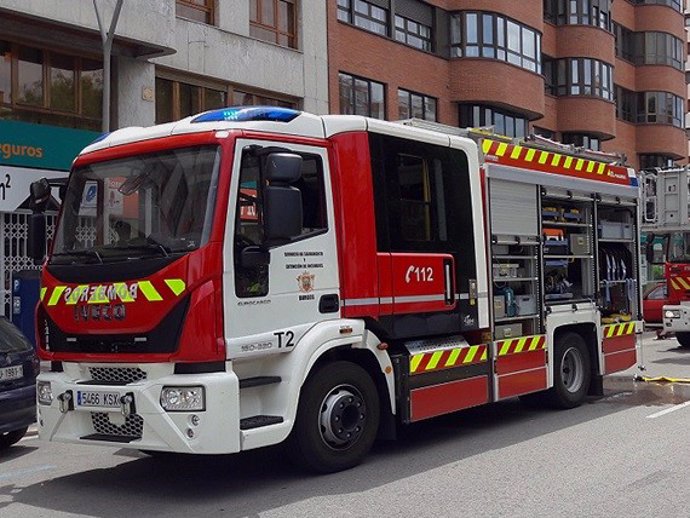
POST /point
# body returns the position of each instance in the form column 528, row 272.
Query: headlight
column 44, row 392
column 672, row 313
column 183, row 399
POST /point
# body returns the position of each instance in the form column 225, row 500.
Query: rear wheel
column 337, row 419
column 572, row 372
column 683, row 340
column 7, row 439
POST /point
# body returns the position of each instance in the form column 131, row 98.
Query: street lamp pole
column 107, row 37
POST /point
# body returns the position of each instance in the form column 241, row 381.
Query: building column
column 133, row 92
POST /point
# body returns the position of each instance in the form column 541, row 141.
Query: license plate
column 89, row 398
column 11, row 373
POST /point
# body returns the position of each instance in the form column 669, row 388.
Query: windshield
column 157, row 204
column 679, row 247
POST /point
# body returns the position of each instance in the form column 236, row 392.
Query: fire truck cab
column 249, row 276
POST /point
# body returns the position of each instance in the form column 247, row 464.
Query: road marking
column 668, row 410
column 28, row 471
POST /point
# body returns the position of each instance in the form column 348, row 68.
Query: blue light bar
column 100, row 137
column 248, row 114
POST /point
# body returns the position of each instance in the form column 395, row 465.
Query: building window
column 365, row 15
column 581, row 76
column 650, row 161
column 649, row 48
column 674, row 4
column 42, row 86
column 660, row 108
column 198, row 10
column 626, row 103
column 504, row 122
column 359, row 96
column 273, row 21
column 579, row 12
column 176, row 99
column 492, row 36
column 415, row 105
column 649, row 107
column 583, row 140
column 413, row 33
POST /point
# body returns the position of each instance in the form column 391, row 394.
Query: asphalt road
column 623, row 454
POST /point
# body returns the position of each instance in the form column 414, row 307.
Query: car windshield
column 157, row 204
column 11, row 339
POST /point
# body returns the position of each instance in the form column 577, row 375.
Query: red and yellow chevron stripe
column 680, row 283
column 424, row 362
column 521, row 344
column 521, row 156
column 626, row 328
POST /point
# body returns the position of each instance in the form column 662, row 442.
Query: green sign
column 41, row 146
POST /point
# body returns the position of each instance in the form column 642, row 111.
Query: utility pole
column 107, row 37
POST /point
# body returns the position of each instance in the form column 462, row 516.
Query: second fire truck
column 250, row 276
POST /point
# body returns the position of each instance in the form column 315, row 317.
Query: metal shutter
column 513, row 209
column 415, row 10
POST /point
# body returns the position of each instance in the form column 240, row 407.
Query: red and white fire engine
column 250, row 276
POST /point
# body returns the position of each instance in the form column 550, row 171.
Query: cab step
column 258, row 381
column 259, row 421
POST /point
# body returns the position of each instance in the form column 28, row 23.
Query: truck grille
column 120, row 375
column 132, row 428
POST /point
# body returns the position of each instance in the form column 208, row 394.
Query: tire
column 9, row 438
column 572, row 372
column 683, row 340
column 337, row 418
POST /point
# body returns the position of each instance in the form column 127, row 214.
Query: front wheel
column 337, row 418
column 9, row 438
column 683, row 340
column 572, row 372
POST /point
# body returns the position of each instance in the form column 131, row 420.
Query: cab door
column 273, row 294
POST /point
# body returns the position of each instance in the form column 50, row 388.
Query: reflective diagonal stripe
column 543, row 157
column 675, row 285
column 76, row 294
column 55, row 296
column 568, row 162
column 614, row 330
column 424, row 362
column 530, row 155
column 555, row 160
column 602, row 168
column 149, row 291
column 516, row 152
column 502, row 147
column 579, row 164
column 520, row 345
column 684, row 283
column 590, row 166
column 43, row 293
column 486, row 145
column 177, row 286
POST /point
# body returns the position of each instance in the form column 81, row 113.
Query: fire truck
column 249, row 276
column 666, row 230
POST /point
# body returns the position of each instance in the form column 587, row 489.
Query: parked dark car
column 19, row 367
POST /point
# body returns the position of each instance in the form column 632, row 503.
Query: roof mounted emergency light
column 248, row 114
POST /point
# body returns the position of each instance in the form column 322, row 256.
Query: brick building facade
column 605, row 74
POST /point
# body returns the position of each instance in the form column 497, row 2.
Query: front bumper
column 17, row 408
column 680, row 322
column 143, row 424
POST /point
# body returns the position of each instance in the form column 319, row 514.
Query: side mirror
column 36, row 245
column 39, row 194
column 253, row 257
column 283, row 168
column 282, row 202
column 282, row 213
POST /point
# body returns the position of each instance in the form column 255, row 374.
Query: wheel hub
column 343, row 417
column 572, row 370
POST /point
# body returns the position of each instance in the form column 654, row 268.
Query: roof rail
column 532, row 141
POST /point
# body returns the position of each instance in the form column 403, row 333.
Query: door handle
column 329, row 303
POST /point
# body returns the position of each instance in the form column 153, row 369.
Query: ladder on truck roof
column 532, row 141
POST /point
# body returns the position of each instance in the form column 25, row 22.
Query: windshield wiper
column 80, row 253
column 164, row 250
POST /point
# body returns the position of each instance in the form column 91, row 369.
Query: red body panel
column 354, row 220
column 619, row 361
column 419, row 276
column 618, row 343
column 448, row 397
column 520, row 362
column 678, row 279
column 521, row 383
